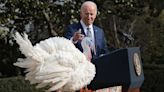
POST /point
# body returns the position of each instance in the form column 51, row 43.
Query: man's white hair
column 86, row 3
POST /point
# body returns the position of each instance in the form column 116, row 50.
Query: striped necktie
column 89, row 34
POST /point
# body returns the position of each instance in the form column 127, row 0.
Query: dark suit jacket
column 100, row 42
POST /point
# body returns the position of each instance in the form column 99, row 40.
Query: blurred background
column 127, row 23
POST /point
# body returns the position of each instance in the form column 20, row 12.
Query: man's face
column 88, row 14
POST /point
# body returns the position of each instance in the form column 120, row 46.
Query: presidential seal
column 137, row 64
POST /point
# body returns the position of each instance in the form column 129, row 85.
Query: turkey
column 55, row 63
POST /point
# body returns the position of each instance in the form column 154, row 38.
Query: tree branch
column 115, row 32
column 53, row 32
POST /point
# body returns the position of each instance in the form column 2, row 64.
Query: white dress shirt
column 85, row 29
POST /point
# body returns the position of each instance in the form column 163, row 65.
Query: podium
column 120, row 67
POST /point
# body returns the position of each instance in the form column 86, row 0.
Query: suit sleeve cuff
column 74, row 42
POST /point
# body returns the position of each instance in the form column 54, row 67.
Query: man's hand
column 78, row 36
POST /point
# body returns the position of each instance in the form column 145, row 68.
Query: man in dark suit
column 76, row 32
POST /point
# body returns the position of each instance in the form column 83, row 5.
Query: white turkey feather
column 54, row 62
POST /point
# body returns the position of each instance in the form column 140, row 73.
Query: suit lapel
column 95, row 36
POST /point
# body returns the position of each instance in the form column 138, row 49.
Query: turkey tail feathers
column 26, row 47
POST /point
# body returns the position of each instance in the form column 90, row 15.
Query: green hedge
column 154, row 78
column 17, row 84
column 154, row 81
